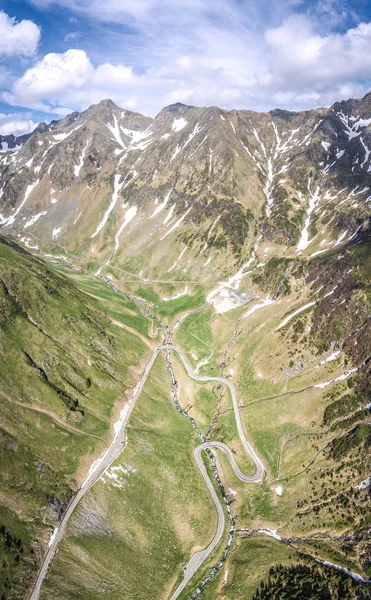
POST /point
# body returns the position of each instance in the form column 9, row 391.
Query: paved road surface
column 114, row 450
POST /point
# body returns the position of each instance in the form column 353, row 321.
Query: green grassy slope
column 139, row 525
column 73, row 347
column 65, row 371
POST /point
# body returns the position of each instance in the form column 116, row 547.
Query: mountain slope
column 64, row 374
column 214, row 181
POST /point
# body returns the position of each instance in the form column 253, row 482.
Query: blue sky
column 57, row 56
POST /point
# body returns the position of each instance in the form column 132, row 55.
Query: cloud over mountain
column 233, row 54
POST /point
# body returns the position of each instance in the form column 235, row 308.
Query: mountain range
column 115, row 187
column 244, row 239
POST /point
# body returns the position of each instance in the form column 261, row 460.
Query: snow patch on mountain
column 35, row 218
column 314, row 198
column 161, row 206
column 59, row 137
column 178, row 259
column 56, row 232
column 140, row 140
column 77, row 168
column 77, row 218
column 210, row 160
column 179, row 124
column 26, row 242
column 10, row 220
column 128, row 216
column 115, row 130
column 179, row 148
column 179, row 221
column 352, row 130
column 116, row 189
column 352, row 574
column 169, row 214
column 271, row 533
column 341, row 377
column 367, row 153
column 256, row 307
column 292, row 315
column 117, row 186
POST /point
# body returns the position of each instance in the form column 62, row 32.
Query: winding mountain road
column 115, row 448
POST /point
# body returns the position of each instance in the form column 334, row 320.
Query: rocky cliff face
column 115, row 187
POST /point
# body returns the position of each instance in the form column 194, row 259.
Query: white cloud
column 107, row 74
column 17, row 38
column 63, row 82
column 301, row 55
column 50, row 79
column 18, row 124
column 244, row 54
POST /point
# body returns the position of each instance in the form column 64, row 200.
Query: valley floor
column 247, row 374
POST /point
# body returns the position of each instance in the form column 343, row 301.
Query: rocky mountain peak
column 216, row 181
column 107, row 103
